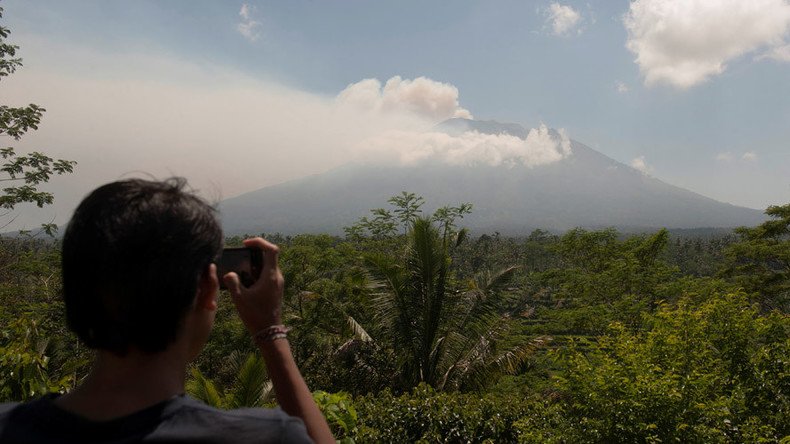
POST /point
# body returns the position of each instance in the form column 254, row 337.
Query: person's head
column 137, row 258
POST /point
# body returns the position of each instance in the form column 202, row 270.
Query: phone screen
column 245, row 262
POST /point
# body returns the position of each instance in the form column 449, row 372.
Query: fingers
column 212, row 275
column 271, row 253
column 259, row 305
column 234, row 285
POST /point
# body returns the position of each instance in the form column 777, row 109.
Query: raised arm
column 260, row 307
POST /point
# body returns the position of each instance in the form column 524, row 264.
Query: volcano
column 584, row 189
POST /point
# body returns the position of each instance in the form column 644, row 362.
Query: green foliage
column 447, row 216
column 8, row 60
column 340, row 413
column 593, row 278
column 31, row 170
column 325, row 297
column 383, row 224
column 202, row 388
column 407, row 208
column 249, row 388
column 24, row 173
column 425, row 416
column 431, row 336
column 37, row 353
column 698, row 256
column 597, row 268
column 24, row 363
column 443, row 333
column 228, row 336
column 714, row 372
column 718, row 372
column 760, row 262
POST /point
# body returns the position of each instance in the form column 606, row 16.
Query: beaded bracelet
column 271, row 333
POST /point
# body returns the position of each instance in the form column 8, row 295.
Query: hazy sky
column 239, row 95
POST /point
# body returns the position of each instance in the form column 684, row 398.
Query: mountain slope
column 586, row 189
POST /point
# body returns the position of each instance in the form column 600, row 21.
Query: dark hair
column 132, row 256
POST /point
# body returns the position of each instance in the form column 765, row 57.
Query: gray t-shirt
column 178, row 420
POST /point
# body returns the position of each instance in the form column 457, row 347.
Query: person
column 140, row 287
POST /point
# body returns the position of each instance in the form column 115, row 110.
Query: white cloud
column 541, row 146
column 640, row 164
column 779, row 53
column 248, row 26
column 725, row 157
column 622, row 88
column 426, row 98
column 685, row 42
column 563, row 19
column 749, row 156
column 145, row 113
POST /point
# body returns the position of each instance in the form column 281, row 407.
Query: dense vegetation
column 409, row 330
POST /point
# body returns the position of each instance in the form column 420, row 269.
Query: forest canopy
column 421, row 331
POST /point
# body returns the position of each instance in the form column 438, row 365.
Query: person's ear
column 208, row 288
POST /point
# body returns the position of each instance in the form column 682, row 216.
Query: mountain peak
column 585, row 189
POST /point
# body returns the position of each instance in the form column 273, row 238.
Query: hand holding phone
column 247, row 263
column 260, row 305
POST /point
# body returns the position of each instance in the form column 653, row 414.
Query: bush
column 714, row 373
column 427, row 416
column 25, row 363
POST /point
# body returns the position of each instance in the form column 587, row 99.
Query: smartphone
column 247, row 263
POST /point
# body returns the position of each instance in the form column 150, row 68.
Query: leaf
column 200, row 387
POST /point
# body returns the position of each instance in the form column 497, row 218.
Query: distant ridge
column 586, row 189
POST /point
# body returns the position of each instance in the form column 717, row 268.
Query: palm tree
column 444, row 335
column 251, row 387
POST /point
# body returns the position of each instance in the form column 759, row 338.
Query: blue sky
column 701, row 102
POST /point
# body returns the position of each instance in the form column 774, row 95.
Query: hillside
column 586, row 189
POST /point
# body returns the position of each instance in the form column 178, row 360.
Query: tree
column 250, row 387
column 713, row 372
column 444, row 333
column 383, row 224
column 23, row 173
column 26, row 362
column 407, row 208
column 760, row 262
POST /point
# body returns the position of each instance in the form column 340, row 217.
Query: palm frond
column 498, row 281
column 442, row 335
column 459, row 350
column 461, row 237
column 508, row 362
column 235, row 361
column 249, row 387
column 267, row 394
column 428, row 265
column 358, row 330
column 203, row 389
column 483, row 301
column 394, row 308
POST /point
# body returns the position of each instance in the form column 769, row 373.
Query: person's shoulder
column 257, row 414
column 6, row 407
column 17, row 414
column 5, row 411
column 9, row 410
column 268, row 425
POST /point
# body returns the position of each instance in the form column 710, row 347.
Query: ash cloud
column 127, row 114
column 540, row 147
column 422, row 97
